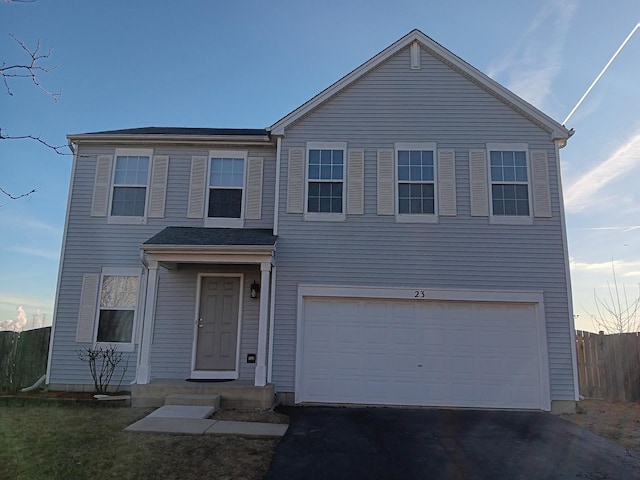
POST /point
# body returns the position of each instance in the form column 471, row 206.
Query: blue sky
column 123, row 64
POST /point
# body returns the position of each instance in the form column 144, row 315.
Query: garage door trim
column 531, row 297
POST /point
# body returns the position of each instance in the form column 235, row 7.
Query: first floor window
column 226, row 185
column 509, row 182
column 416, row 182
column 118, row 300
column 325, row 175
column 130, row 181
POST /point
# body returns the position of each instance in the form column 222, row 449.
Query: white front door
column 216, row 337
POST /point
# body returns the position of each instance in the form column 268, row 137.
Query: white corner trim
column 276, row 203
column 63, row 247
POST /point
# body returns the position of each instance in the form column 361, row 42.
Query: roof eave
column 138, row 139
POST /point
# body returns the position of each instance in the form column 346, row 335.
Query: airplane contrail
column 601, row 73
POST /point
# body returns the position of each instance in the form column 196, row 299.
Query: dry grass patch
column 85, row 442
column 262, row 416
column 614, row 420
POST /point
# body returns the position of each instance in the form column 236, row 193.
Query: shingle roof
column 198, row 236
column 185, row 131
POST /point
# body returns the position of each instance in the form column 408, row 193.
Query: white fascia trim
column 154, row 139
column 60, row 263
column 557, row 130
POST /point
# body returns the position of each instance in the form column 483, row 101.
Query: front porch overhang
column 170, row 256
column 175, row 246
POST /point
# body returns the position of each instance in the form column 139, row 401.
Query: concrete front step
column 233, row 394
column 194, row 399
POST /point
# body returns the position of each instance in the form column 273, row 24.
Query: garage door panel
column 432, row 353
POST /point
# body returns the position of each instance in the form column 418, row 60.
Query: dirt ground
column 613, row 420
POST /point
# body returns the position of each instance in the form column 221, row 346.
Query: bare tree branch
column 56, row 148
column 29, row 70
column 616, row 312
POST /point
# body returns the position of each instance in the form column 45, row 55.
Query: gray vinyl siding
column 392, row 104
column 91, row 244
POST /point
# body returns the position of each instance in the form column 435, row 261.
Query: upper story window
column 509, row 181
column 325, row 181
column 226, row 188
column 416, row 182
column 130, row 185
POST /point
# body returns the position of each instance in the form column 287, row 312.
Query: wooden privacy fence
column 23, row 358
column 609, row 365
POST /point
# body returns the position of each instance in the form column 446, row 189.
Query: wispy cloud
column 624, row 229
column 619, row 265
column 535, row 59
column 581, row 194
column 32, row 225
column 35, row 252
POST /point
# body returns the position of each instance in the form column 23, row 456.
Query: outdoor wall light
column 255, row 290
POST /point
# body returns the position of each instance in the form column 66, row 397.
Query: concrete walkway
column 192, row 420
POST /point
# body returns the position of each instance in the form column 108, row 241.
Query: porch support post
column 261, row 360
column 143, row 371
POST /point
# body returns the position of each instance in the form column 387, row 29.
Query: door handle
column 200, row 325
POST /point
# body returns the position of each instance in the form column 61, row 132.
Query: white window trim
column 318, row 216
column 125, row 272
column 223, row 222
column 509, row 219
column 413, row 217
column 129, row 220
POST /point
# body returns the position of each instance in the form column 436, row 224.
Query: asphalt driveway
column 390, row 443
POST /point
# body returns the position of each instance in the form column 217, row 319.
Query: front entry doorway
column 217, row 328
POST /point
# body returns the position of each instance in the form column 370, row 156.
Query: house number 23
column 418, row 294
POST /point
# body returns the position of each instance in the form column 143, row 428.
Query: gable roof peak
column 555, row 129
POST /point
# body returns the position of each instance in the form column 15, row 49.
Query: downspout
column 143, row 304
column 60, row 262
column 560, row 143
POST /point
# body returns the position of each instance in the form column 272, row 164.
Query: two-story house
column 398, row 239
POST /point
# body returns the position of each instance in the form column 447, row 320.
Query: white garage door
column 433, row 353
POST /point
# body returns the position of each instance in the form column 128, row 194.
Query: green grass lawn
column 87, row 443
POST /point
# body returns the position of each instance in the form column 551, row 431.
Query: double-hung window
column 118, row 301
column 226, row 188
column 130, row 182
column 325, row 199
column 509, row 181
column 416, row 182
